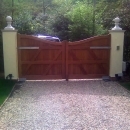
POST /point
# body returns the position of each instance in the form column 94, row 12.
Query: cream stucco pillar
column 116, row 54
column 9, row 35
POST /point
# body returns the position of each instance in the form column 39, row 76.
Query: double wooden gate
column 41, row 59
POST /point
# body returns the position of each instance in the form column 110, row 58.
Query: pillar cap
column 117, row 20
column 9, row 22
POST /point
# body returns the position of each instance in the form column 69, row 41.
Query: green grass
column 126, row 85
column 5, row 89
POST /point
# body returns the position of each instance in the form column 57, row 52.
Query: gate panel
column 88, row 58
column 40, row 59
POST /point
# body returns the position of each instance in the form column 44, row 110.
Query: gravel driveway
column 61, row 105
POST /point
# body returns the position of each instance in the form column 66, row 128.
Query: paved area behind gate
column 61, row 105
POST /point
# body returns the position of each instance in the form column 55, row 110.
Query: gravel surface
column 72, row 105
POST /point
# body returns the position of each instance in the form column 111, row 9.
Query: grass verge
column 126, row 85
column 5, row 89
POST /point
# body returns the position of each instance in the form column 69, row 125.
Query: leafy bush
column 84, row 23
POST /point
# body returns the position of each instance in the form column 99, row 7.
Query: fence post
column 9, row 35
column 116, row 54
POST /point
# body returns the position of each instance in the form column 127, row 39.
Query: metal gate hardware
column 27, row 48
column 100, row 47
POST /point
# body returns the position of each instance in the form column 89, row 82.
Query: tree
column 82, row 22
column 60, row 27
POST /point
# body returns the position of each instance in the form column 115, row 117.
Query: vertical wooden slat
column 66, row 60
column 63, row 59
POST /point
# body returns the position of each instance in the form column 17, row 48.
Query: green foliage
column 24, row 23
column 27, row 25
column 5, row 89
column 125, row 85
column 79, row 18
column 112, row 9
column 83, row 22
column 45, row 16
column 60, row 27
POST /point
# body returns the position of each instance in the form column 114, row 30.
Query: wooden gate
column 88, row 58
column 42, row 59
